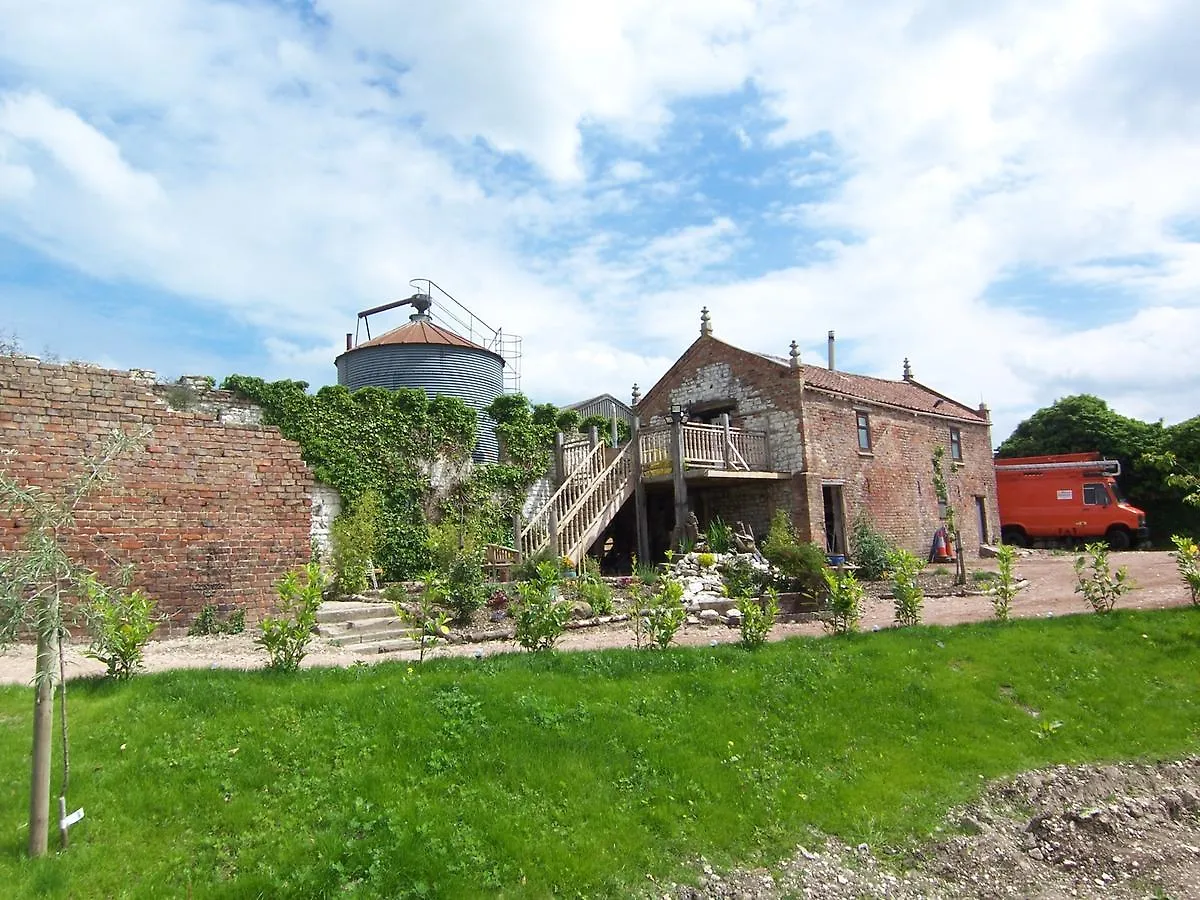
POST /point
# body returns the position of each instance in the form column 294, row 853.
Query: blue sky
column 1007, row 193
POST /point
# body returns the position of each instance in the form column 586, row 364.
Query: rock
column 581, row 609
column 708, row 617
column 733, row 618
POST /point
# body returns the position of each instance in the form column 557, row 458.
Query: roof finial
column 636, row 396
column 908, row 376
column 705, row 323
column 794, row 355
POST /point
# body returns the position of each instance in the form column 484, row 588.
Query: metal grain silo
column 423, row 354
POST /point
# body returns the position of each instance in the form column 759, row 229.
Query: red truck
column 1065, row 498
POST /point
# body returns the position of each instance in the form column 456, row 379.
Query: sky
column 1005, row 193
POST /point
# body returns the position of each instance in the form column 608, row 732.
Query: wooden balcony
column 706, row 452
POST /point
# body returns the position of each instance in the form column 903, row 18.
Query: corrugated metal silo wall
column 474, row 376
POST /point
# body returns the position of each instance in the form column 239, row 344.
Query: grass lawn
column 577, row 774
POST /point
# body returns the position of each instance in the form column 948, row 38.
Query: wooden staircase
column 597, row 484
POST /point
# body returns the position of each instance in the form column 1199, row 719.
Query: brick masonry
column 214, row 509
column 812, row 434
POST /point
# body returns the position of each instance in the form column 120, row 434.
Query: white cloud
column 288, row 174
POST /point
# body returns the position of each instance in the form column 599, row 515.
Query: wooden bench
column 498, row 561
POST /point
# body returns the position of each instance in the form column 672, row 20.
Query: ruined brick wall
column 213, row 510
column 893, row 482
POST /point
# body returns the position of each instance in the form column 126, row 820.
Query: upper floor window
column 956, row 445
column 864, row 430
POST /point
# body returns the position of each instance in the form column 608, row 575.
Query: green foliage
column 457, row 552
column 1084, row 423
column 207, row 622
column 906, row 588
column 592, row 589
column 1100, row 586
column 355, row 538
column 845, row 601
column 758, row 617
column 1187, row 561
column 801, row 564
column 951, row 515
column 720, row 536
column 430, row 623
column 121, row 623
column 647, row 574
column 519, row 774
column 742, row 579
column 539, row 616
column 1004, row 590
column 371, row 439
column 662, row 612
column 285, row 637
column 870, row 549
column 706, row 560
column 527, row 568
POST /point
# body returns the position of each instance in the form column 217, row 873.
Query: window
column 864, row 431
column 956, row 445
column 1095, row 495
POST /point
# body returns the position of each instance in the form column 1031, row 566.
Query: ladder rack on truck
column 1088, row 467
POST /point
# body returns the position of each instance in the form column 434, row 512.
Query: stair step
column 720, row 604
column 350, row 638
column 390, row 646
column 362, row 627
column 350, row 610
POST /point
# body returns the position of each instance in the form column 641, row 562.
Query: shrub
column 845, row 601
column 121, row 624
column 527, row 568
column 539, row 616
column 720, row 536
column 645, row 573
column 800, row 563
column 1004, row 589
column 206, row 622
column 758, row 616
column 465, row 588
column 909, row 597
column 706, row 560
column 742, row 579
column 285, row 637
column 870, row 549
column 354, row 537
column 591, row 588
column 1187, row 561
column 429, row 623
column 1101, row 587
column 664, row 613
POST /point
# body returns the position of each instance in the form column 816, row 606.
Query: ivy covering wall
column 372, row 439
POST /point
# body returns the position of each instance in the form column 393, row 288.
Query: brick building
column 836, row 446
column 214, row 509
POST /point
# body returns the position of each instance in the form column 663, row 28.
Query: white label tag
column 70, row 820
column 1066, row 495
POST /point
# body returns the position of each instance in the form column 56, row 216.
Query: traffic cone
column 939, row 551
column 950, row 554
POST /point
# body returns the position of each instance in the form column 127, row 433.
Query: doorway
column 835, row 518
column 981, row 511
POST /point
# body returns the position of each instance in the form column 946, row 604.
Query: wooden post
column 560, row 468
column 725, row 446
column 593, row 437
column 678, row 480
column 615, row 433
column 516, row 534
column 554, row 548
column 43, row 731
column 642, row 525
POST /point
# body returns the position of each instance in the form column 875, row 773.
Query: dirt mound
column 1119, row 831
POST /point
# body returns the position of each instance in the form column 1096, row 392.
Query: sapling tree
column 943, row 495
column 36, row 576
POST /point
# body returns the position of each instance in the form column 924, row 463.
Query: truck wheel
column 1014, row 537
column 1119, row 538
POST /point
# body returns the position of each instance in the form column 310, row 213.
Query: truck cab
column 1065, row 498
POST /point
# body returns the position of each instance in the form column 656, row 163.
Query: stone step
column 352, row 610
column 374, row 636
column 361, row 627
column 374, row 648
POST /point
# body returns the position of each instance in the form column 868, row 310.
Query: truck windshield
column 1116, row 492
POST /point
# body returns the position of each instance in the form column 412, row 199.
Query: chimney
column 832, row 366
column 349, row 341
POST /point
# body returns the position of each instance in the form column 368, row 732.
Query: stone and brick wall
column 812, row 435
column 214, row 509
column 892, row 484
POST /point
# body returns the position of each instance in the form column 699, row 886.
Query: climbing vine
column 371, row 439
